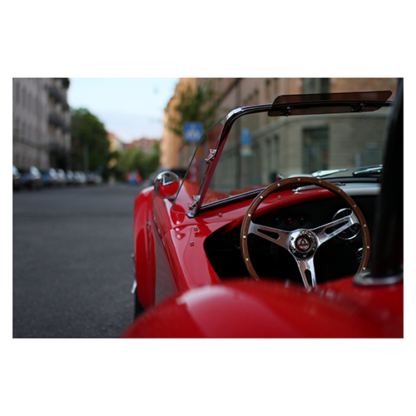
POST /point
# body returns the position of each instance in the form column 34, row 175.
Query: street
column 72, row 267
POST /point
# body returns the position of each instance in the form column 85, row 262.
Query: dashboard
column 338, row 257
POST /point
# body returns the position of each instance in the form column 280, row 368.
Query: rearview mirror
column 166, row 185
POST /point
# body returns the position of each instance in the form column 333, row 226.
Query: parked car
column 49, row 177
column 31, row 178
column 317, row 253
column 133, row 178
column 70, row 178
column 93, row 178
column 98, row 178
column 16, row 179
column 80, row 178
column 61, row 177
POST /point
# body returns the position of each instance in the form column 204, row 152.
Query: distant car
column 80, row 178
column 70, row 177
column 16, row 179
column 92, row 178
column 62, row 177
column 31, row 178
column 133, row 178
column 98, row 178
column 49, row 177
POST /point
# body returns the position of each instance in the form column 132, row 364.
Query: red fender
column 264, row 309
column 144, row 248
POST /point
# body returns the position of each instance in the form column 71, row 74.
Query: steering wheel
column 303, row 243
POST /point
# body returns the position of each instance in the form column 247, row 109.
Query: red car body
column 183, row 295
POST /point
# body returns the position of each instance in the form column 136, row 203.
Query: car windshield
column 265, row 143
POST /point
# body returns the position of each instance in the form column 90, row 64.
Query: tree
column 198, row 105
column 90, row 144
column 134, row 159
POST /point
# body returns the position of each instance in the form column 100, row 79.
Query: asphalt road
column 72, row 267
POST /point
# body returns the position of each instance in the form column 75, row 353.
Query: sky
column 131, row 108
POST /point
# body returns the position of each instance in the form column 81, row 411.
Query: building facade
column 116, row 145
column 41, row 123
column 173, row 152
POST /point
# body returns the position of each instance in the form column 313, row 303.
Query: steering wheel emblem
column 303, row 244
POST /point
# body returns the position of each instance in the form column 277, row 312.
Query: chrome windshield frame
column 230, row 119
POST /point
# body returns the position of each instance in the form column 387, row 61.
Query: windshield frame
column 352, row 104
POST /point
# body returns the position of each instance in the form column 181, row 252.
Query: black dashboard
column 338, row 257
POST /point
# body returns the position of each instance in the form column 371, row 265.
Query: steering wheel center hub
column 303, row 243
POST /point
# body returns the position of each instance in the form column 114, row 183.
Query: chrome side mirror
column 166, row 185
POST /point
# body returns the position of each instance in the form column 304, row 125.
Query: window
column 16, row 132
column 315, row 85
column 272, row 89
column 276, row 153
column 17, row 92
column 315, row 149
column 23, row 97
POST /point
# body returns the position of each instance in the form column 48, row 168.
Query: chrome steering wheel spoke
column 321, row 233
column 288, row 240
column 281, row 240
column 305, row 266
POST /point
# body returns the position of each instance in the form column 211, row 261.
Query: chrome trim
column 194, row 203
column 133, row 289
column 351, row 189
column 359, row 255
column 307, row 187
column 212, row 153
column 369, row 170
column 362, row 189
column 322, row 173
column 166, row 178
column 233, row 115
column 233, row 112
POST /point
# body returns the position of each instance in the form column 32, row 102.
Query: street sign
column 192, row 132
column 245, row 142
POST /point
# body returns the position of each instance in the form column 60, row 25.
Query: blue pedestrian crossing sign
column 192, row 132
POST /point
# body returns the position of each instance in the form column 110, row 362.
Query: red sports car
column 288, row 223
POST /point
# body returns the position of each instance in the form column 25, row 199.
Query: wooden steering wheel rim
column 301, row 181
